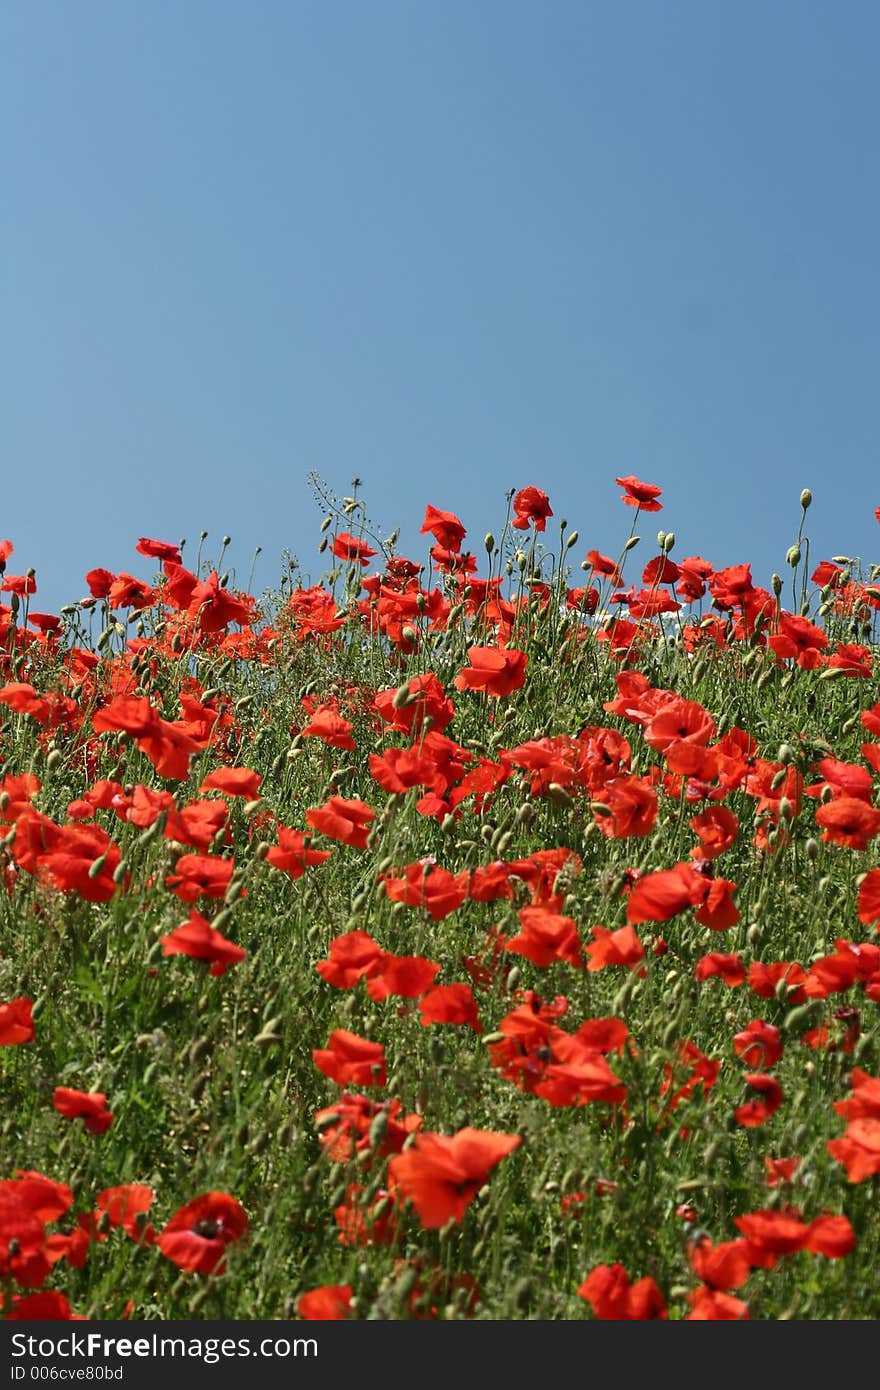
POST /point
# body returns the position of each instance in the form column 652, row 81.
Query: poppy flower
column 233, row 781
column 88, row 1106
column 45, row 1306
column 639, row 494
column 546, row 937
column 755, row 1112
column 200, row 875
column 495, row 670
column 16, row 1022
column 429, row 886
column 758, row 1045
column 445, row 527
column 450, row 1004
column 357, row 1125
column 196, row 824
column 328, row 725
column 442, row 1174
column 345, row 820
column 724, row 1266
column 128, row 592
column 294, row 854
column 849, row 821
column 780, row 1170
column 425, row 706
column 771, row 1234
column 352, row 956
column 347, row 547
column 198, row 1234
column 329, row 1303
column 351, row 1060
column 713, row 1305
column 214, row 608
column 727, row 967
column 406, row 976
column 158, row 550
column 831, row 1236
column 620, row 947
column 124, row 1205
column 198, row 939
column 531, row 505
column 858, row 1149
column 612, row 1297
column 19, row 584
column 716, row 828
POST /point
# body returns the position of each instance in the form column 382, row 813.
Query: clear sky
column 450, row 246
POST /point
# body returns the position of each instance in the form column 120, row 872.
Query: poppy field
column 488, row 933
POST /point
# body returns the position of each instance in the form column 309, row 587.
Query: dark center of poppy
column 208, row 1228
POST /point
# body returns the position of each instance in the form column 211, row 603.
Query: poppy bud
column 489, row 542
column 806, row 498
column 633, row 541
column 793, row 556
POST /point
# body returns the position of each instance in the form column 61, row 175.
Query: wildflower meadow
column 485, row 933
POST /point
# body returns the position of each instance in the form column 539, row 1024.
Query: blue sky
column 451, row 248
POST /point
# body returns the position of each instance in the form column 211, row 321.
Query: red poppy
column 858, row 1149
column 352, row 956
column 639, row 494
column 849, row 821
column 712, row 1305
column 233, row 781
column 82, row 860
column 424, row 705
column 716, row 828
column 315, row 611
column 728, row 967
column 16, row 1022
column 196, row 824
column 357, row 1125
column 351, row 1060
column 495, row 670
column 128, row 592
column 200, row 875
column 759, row 1045
column 328, row 725
column 126, row 1206
column 612, row 1297
column 407, row 976
column 198, row 1234
column 158, row 550
column 724, row 1266
column 198, row 939
column 329, row 1303
column 45, row 1306
column 88, row 1106
column 770, row 1234
column 294, row 854
column 442, row 1174
column 755, row 1112
column 429, row 886
column 345, row 820
column 348, row 547
column 621, row 947
column 450, row 1004
column 546, row 937
column 531, row 505
column 780, row 1170
column 445, row 527
column 831, row 1236
column 19, row 584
